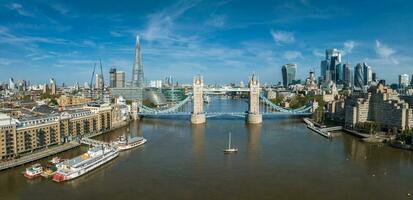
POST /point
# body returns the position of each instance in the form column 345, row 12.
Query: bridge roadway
column 218, row 114
column 210, row 90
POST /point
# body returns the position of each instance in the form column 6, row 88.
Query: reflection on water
column 280, row 159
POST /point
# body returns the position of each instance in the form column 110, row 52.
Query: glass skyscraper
column 288, row 72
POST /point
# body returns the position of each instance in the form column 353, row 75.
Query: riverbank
column 49, row 151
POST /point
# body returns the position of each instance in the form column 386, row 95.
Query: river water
column 280, row 159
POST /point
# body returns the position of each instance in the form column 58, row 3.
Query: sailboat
column 229, row 149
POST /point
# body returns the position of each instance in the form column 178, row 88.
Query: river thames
column 280, row 159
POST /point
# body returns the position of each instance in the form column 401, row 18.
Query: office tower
column 348, row 75
column 53, row 87
column 331, row 70
column 86, row 85
column 120, row 79
column 336, row 70
column 411, row 81
column 403, row 80
column 367, row 74
column 374, row 77
column 325, row 64
column 358, row 76
column 112, row 77
column 98, row 83
column 333, row 53
column 137, row 73
column 12, row 85
column 288, row 72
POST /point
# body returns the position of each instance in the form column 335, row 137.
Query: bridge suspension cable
column 281, row 109
column 146, row 109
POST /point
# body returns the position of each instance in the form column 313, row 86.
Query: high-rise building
column 374, row 77
column 137, row 73
column 288, row 72
column 348, row 75
column 411, row 81
column 98, row 83
column 367, row 74
column 85, row 86
column 120, row 79
column 403, row 80
column 12, row 85
column 331, row 69
column 53, row 87
column 333, row 53
column 112, row 77
column 358, row 76
column 325, row 64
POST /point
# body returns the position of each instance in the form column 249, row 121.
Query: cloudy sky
column 225, row 41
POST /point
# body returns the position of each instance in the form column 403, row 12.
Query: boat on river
column 124, row 143
column 33, row 171
column 230, row 149
column 80, row 165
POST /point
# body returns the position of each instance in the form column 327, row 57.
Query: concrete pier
column 254, row 118
column 198, row 118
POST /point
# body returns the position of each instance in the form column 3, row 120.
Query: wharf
column 38, row 155
column 356, row 133
column 321, row 129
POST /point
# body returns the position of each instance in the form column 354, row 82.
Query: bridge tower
column 254, row 116
column 198, row 115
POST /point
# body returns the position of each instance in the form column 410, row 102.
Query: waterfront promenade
column 38, row 155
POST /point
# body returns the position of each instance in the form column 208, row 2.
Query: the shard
column 137, row 73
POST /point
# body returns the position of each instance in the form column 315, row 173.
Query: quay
column 321, row 129
column 92, row 142
column 357, row 134
column 38, row 155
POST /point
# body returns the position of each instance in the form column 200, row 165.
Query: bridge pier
column 254, row 116
column 198, row 115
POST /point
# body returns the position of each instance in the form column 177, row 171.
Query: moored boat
column 230, row 149
column 80, row 165
column 33, row 171
column 125, row 143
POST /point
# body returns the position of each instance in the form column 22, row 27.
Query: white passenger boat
column 125, row 143
column 78, row 166
column 33, row 171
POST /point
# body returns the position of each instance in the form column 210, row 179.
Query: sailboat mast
column 229, row 143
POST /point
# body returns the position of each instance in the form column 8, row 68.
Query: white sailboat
column 229, row 149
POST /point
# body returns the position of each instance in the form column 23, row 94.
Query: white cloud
column 383, row 50
column 116, row 34
column 318, row 53
column 216, row 20
column 282, row 36
column 348, row 46
column 161, row 24
column 19, row 9
column 290, row 55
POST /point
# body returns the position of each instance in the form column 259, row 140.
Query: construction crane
column 103, row 80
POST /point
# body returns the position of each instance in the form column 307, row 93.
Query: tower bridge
column 198, row 116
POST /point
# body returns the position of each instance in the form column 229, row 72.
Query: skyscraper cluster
column 332, row 69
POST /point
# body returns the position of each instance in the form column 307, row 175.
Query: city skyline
column 224, row 41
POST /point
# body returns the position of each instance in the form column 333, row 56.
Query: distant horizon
column 223, row 41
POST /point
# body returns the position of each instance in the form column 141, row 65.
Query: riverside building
column 22, row 136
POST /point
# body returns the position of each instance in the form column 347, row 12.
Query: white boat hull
column 77, row 173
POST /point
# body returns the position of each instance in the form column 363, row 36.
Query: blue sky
column 225, row 41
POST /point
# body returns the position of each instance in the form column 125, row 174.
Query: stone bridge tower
column 198, row 115
column 254, row 116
